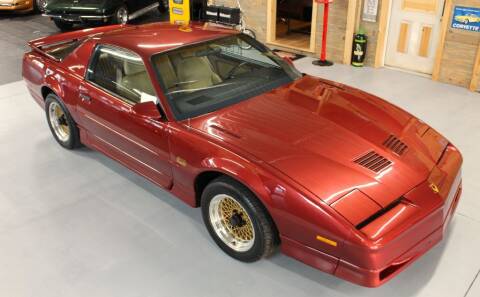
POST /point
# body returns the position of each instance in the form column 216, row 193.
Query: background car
column 66, row 13
column 21, row 5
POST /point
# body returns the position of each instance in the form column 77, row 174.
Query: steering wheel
column 234, row 69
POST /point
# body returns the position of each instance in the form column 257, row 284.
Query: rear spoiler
column 40, row 45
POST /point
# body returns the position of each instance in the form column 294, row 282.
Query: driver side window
column 121, row 73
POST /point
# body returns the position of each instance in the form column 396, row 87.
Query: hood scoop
column 373, row 161
column 395, row 145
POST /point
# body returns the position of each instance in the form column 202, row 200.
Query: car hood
column 313, row 130
column 76, row 6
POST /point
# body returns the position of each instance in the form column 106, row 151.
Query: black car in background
column 66, row 13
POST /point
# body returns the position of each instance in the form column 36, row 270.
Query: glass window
column 208, row 76
column 122, row 73
column 61, row 50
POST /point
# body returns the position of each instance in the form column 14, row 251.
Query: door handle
column 85, row 97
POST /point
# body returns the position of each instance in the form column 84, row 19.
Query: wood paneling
column 382, row 33
column 458, row 59
column 351, row 22
column 476, row 72
column 441, row 45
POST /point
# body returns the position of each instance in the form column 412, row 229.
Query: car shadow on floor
column 407, row 283
column 148, row 186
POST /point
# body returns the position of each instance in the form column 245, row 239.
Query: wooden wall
column 337, row 24
column 255, row 13
column 460, row 50
column 456, row 62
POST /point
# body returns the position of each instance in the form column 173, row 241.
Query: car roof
column 147, row 40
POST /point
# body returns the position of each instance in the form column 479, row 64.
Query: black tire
column 120, row 17
column 265, row 232
column 62, row 25
column 73, row 140
column 38, row 5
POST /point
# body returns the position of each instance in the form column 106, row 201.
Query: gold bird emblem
column 434, row 188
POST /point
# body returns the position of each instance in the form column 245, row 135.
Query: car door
column 116, row 80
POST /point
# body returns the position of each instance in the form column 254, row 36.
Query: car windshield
column 205, row 77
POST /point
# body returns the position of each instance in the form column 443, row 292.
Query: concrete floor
column 17, row 29
column 79, row 224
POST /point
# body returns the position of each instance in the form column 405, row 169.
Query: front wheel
column 62, row 25
column 237, row 221
column 121, row 15
column 61, row 124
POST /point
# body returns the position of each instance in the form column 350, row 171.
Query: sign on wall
column 370, row 11
column 466, row 18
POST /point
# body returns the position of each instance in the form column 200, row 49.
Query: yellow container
column 180, row 12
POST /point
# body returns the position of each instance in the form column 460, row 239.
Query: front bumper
column 394, row 240
column 78, row 18
column 19, row 6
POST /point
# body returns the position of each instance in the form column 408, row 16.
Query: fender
column 246, row 174
column 52, row 82
column 62, row 84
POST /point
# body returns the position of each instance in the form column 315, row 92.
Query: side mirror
column 147, row 110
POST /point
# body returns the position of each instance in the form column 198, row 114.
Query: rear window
column 61, row 50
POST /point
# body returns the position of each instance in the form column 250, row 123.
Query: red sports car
column 339, row 179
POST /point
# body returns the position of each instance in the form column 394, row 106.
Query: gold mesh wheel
column 231, row 223
column 58, row 121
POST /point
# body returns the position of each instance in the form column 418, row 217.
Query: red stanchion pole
column 323, row 56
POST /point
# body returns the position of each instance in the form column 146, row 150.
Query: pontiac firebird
column 337, row 178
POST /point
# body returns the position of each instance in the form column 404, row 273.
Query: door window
column 122, row 73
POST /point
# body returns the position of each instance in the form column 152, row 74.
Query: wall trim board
column 476, row 72
column 382, row 33
column 351, row 27
column 313, row 32
column 443, row 34
column 271, row 20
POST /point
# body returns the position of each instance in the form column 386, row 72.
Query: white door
column 413, row 36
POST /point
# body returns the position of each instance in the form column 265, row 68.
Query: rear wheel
column 61, row 124
column 121, row 15
column 237, row 221
column 39, row 5
column 62, row 25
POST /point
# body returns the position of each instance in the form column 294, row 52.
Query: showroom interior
column 79, row 220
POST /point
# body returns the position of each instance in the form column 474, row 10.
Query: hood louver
column 395, row 145
column 373, row 161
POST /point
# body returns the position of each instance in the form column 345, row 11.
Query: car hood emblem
column 434, row 188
